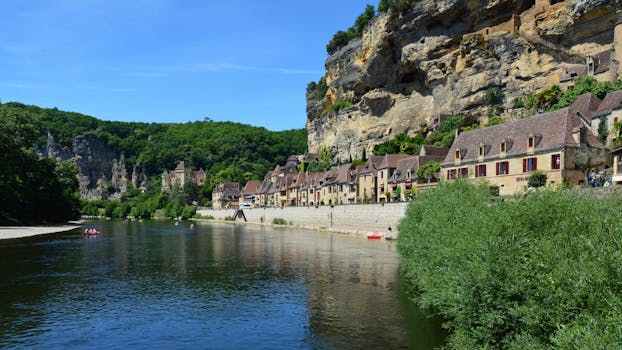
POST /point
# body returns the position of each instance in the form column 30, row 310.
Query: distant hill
column 227, row 151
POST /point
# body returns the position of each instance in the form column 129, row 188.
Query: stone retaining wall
column 355, row 218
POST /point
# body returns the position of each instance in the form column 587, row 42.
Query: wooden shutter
column 477, row 171
column 524, row 165
column 483, row 168
column 497, row 168
column 535, row 164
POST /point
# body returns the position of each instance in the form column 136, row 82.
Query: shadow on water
column 157, row 285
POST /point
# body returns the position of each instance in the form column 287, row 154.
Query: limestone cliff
column 441, row 58
column 102, row 173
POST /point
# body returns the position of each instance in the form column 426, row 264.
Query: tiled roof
column 552, row 130
column 373, row 163
column 265, row 186
column 602, row 61
column 389, row 161
column 586, row 105
column 251, row 187
column 612, row 101
column 181, row 166
column 429, row 150
column 228, row 186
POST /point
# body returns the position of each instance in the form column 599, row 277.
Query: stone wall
column 355, row 218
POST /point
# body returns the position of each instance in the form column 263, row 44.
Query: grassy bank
column 539, row 272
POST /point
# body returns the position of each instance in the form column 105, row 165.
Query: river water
column 219, row 286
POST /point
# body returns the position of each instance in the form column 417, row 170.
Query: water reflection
column 218, row 286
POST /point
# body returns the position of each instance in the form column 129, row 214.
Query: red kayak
column 92, row 234
column 375, row 236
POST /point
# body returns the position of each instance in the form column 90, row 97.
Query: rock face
column 442, row 57
column 102, row 173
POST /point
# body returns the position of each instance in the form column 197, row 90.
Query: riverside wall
column 353, row 218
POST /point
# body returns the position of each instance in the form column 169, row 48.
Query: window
column 530, row 164
column 452, row 174
column 463, row 172
column 457, row 154
column 555, row 161
column 382, row 174
column 480, row 170
column 481, row 151
column 532, row 141
column 503, row 147
column 503, row 168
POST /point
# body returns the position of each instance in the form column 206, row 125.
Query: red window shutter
column 484, row 168
column 497, row 168
column 448, row 174
column 535, row 164
column 553, row 161
column 477, row 171
column 524, row 165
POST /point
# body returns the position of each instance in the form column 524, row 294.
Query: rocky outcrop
column 442, row 57
column 102, row 173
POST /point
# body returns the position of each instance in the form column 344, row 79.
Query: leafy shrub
column 494, row 96
column 229, row 218
column 279, row 221
column 340, row 104
column 539, row 272
column 518, row 102
column 401, row 143
column 431, row 168
column 537, row 179
column 494, row 120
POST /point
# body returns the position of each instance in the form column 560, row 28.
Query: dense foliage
column 554, row 98
column 227, row 151
column 400, row 144
column 32, row 190
column 539, row 272
column 341, row 38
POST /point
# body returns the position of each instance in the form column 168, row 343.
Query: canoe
column 375, row 236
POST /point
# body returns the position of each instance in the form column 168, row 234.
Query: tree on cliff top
column 342, row 38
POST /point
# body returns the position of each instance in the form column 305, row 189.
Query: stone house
column 178, row 177
column 367, row 180
column 346, row 184
column 249, row 191
column 405, row 175
column 294, row 192
column 609, row 112
column 314, row 188
column 558, row 143
column 384, row 189
column 226, row 195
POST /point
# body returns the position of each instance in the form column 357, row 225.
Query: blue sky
column 169, row 60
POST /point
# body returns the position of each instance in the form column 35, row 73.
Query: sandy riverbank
column 12, row 232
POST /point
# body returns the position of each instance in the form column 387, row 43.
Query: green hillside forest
column 227, row 151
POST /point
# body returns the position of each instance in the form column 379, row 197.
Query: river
column 218, row 286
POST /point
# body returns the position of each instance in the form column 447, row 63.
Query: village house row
column 563, row 144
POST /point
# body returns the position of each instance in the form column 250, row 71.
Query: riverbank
column 14, row 232
column 355, row 219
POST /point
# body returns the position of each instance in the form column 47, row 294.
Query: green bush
column 537, row 179
column 279, row 221
column 539, row 272
column 229, row 218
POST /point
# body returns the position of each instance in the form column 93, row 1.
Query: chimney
column 458, row 131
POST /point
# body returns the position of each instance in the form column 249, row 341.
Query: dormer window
column 481, row 150
column 532, row 141
column 458, row 154
column 503, row 146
